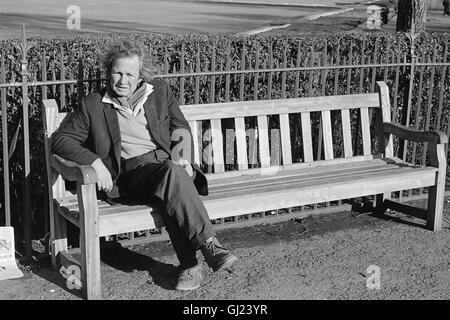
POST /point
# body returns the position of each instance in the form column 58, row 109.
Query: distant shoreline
column 48, row 19
column 276, row 4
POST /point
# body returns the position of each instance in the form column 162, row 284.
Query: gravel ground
column 321, row 257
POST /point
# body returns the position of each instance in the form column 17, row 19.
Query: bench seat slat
column 135, row 220
column 119, row 218
column 67, row 200
column 261, row 180
column 310, row 181
column 107, row 208
column 294, row 169
column 296, row 180
column 331, row 191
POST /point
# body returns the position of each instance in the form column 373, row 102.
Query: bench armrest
column 411, row 134
column 72, row 171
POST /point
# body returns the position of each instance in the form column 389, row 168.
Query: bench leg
column 436, row 203
column 89, row 242
column 380, row 204
column 58, row 239
column 436, row 193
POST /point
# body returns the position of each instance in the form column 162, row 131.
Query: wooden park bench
column 251, row 190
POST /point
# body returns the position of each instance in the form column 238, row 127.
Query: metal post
column 5, row 145
column 411, row 37
column 23, row 49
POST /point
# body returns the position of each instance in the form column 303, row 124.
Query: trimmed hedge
column 194, row 52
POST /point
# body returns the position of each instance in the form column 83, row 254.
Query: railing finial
column 23, row 48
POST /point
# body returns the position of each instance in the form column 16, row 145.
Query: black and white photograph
column 216, row 157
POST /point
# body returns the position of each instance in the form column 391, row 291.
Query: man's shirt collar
column 107, row 99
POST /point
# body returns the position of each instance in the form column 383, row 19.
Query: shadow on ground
column 118, row 258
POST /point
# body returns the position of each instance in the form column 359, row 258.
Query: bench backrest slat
column 365, row 130
column 217, row 145
column 279, row 106
column 307, row 137
column 263, row 138
column 195, row 136
column 285, row 139
column 347, row 133
column 383, row 91
column 327, row 135
column 241, row 143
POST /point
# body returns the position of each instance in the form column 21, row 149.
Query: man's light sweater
column 135, row 134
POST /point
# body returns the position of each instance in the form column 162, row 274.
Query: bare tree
column 412, row 15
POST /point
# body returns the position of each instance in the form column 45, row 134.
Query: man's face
column 125, row 76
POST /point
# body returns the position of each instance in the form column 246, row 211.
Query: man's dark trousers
column 154, row 178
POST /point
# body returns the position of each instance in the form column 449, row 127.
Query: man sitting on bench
column 130, row 133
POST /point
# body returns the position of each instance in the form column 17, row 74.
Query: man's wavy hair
column 127, row 48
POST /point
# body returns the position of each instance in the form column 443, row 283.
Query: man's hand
column 186, row 165
column 104, row 179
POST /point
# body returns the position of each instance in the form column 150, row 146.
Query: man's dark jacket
column 93, row 131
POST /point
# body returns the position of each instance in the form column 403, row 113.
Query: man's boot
column 217, row 256
column 190, row 279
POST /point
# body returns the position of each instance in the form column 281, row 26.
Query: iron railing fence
column 419, row 89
